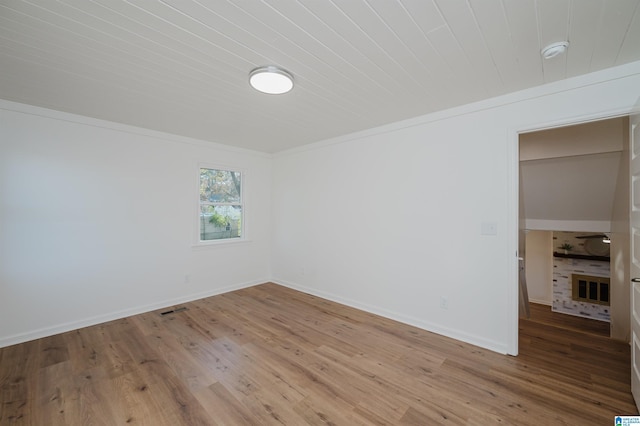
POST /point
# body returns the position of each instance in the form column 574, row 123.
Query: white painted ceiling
column 181, row 66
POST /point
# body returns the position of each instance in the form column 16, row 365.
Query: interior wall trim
column 396, row 316
column 99, row 319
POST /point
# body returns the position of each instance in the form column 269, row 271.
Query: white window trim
column 198, row 243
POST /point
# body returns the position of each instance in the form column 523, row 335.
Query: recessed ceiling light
column 554, row 49
column 271, row 80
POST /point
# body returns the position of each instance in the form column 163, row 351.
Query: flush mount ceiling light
column 271, row 80
column 554, row 49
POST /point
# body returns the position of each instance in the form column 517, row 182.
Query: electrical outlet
column 444, row 303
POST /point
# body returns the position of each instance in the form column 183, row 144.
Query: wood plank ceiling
column 181, row 66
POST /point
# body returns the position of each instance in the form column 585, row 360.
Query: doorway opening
column 574, row 185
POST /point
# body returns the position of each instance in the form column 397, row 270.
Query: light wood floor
column 271, row 355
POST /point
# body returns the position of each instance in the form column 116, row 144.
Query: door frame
column 634, row 122
column 513, row 224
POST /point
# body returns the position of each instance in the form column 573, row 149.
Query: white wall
column 568, row 192
column 596, row 137
column 569, row 175
column 97, row 222
column 390, row 220
column 620, row 248
column 539, row 266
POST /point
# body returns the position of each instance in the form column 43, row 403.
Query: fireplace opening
column 590, row 289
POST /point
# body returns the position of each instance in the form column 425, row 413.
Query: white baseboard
column 540, row 302
column 425, row 325
column 99, row 319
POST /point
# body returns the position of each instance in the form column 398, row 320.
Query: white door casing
column 634, row 171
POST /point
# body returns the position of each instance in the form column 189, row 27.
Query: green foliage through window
column 220, row 204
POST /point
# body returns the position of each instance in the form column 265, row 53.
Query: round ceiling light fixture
column 271, row 79
column 554, row 49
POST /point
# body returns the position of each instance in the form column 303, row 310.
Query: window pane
column 218, row 222
column 220, row 186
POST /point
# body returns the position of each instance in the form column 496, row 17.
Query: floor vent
column 173, row 311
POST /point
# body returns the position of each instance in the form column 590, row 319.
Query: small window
column 221, row 204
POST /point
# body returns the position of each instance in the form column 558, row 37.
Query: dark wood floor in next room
column 543, row 314
column 271, row 355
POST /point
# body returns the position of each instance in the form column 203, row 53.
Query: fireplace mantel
column 582, row 256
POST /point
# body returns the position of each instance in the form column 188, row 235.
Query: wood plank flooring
column 274, row 356
column 544, row 314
